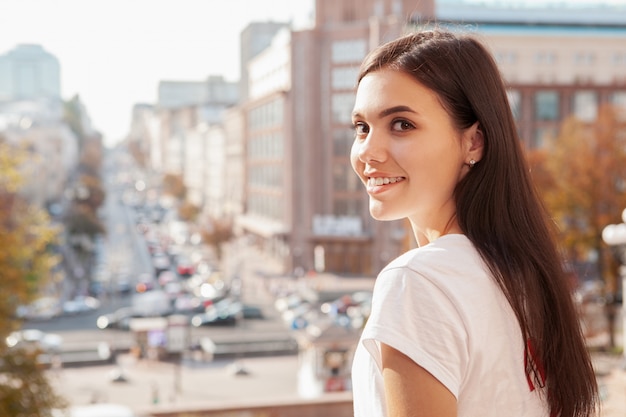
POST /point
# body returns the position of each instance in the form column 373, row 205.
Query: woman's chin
column 380, row 213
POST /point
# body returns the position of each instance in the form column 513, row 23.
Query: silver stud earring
column 472, row 162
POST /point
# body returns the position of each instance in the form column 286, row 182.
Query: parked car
column 226, row 312
column 119, row 319
column 81, row 304
column 35, row 338
column 44, row 308
column 349, row 310
column 184, row 266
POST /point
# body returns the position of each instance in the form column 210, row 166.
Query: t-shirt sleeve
column 414, row 316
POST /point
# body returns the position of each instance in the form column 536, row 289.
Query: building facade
column 557, row 62
column 29, row 72
column 302, row 198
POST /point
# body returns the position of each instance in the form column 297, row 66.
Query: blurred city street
column 150, row 386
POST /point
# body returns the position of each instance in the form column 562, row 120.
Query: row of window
column 268, row 115
column 551, row 57
column 345, row 179
column 349, row 206
column 342, row 142
column 266, row 206
column 267, row 146
column 584, row 104
column 266, row 176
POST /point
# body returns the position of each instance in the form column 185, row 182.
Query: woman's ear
column 474, row 141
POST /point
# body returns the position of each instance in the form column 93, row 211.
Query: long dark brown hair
column 500, row 212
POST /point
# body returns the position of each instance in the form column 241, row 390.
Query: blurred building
column 253, row 39
column 302, row 199
column 558, row 61
column 282, row 152
column 32, row 119
column 185, row 110
column 29, row 72
column 37, row 128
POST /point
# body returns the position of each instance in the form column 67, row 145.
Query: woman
column 478, row 320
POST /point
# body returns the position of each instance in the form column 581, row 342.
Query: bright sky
column 113, row 53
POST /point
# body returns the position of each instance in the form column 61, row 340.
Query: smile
column 372, row 182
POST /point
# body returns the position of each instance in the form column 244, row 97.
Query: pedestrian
column 478, row 320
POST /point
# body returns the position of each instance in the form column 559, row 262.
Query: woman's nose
column 371, row 149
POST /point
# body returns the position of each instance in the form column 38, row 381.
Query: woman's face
column 407, row 151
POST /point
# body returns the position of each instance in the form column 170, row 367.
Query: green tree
column 26, row 264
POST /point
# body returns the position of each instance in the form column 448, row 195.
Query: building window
column 545, row 57
column 619, row 58
column 348, row 207
column 618, row 99
column 585, row 105
column 349, row 51
column 515, row 102
column 506, row 57
column 341, row 107
column 584, row 58
column 344, row 178
column 342, row 142
column 267, row 115
column 344, row 78
column 547, row 105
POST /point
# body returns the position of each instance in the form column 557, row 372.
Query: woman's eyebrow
column 387, row 112
column 395, row 109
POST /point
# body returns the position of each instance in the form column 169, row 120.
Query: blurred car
column 300, row 316
column 119, row 319
column 184, row 266
column 226, row 312
column 349, row 310
column 160, row 262
column 47, row 342
column 288, row 302
column 189, row 304
column 81, row 304
column 44, row 308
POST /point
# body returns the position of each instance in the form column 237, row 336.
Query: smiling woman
column 478, row 320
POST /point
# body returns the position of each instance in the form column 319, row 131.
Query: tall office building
column 29, row 72
column 302, row 199
column 256, row 37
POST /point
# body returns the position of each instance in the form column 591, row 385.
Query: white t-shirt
column 440, row 306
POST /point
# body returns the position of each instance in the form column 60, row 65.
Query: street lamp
column 614, row 235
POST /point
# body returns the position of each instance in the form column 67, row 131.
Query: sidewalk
column 612, row 384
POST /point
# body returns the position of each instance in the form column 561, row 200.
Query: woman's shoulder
column 448, row 249
column 442, row 262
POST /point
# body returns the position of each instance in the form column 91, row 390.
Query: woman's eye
column 361, row 129
column 401, row 125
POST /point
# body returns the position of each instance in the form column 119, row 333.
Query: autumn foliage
column 26, row 265
column 581, row 175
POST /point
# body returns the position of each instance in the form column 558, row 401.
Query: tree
column 188, row 212
column 215, row 232
column 581, row 175
column 584, row 183
column 174, row 185
column 26, row 263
